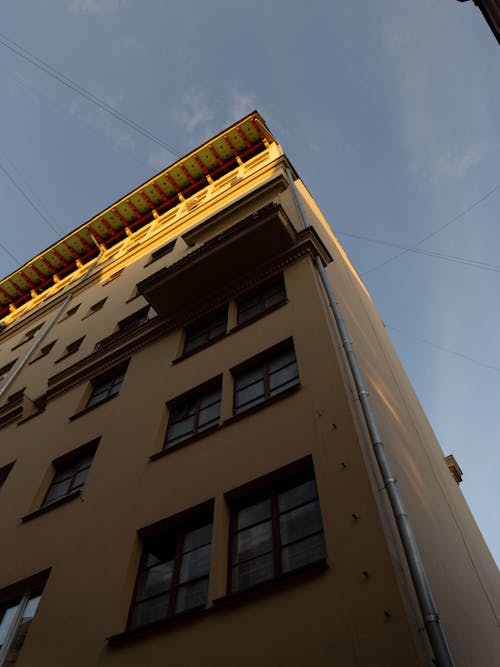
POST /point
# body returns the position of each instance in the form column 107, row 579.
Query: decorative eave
column 167, row 189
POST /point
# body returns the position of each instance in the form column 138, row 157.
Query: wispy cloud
column 100, row 7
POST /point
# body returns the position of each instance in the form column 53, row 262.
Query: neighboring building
column 490, row 9
column 187, row 467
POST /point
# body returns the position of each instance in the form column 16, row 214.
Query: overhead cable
column 77, row 88
column 477, row 264
column 440, row 229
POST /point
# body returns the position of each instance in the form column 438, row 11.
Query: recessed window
column 5, row 369
column 173, row 574
column 270, row 375
column 95, row 308
column 4, row 472
column 29, row 335
column 16, row 396
column 71, row 471
column 275, row 533
column 193, row 413
column 16, row 614
column 202, row 333
column 161, row 252
column 265, row 298
column 71, row 349
column 106, row 387
column 70, row 312
column 43, row 351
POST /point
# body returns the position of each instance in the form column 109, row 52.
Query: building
column 192, row 471
column 490, row 9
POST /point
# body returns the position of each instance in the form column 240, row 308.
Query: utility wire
column 430, row 253
column 75, row 87
column 29, row 200
column 491, row 367
column 440, row 229
column 72, row 114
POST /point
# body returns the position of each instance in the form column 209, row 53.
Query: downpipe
column 428, row 609
column 43, row 334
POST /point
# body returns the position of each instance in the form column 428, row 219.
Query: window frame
column 118, row 372
column 263, row 361
column 272, row 491
column 67, row 460
column 208, row 323
column 173, row 529
column 196, row 394
column 260, row 294
column 20, row 594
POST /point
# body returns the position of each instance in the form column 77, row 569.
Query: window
column 16, row 615
column 71, row 349
column 135, row 320
column 5, row 369
column 275, row 533
column 71, row 471
column 4, row 472
column 173, row 574
column 193, row 413
column 106, row 386
column 29, row 335
column 97, row 306
column 43, row 351
column 70, row 312
column 257, row 303
column 161, row 252
column 200, row 334
column 268, row 377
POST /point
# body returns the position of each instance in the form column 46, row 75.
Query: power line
column 440, row 229
column 75, row 87
column 29, row 200
column 430, row 253
column 490, row 367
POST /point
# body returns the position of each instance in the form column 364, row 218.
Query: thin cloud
column 99, row 7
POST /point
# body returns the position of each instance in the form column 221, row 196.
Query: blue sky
column 389, row 111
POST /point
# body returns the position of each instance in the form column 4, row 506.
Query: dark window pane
column 254, row 514
column 190, row 596
column 79, row 479
column 304, row 552
column 156, row 579
column 195, row 564
column 298, row 495
column 8, row 614
column 252, row 572
column 58, row 491
column 197, row 537
column 150, row 611
column 252, row 542
column 299, row 522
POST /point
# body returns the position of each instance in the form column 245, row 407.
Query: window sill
column 264, row 404
column 188, row 441
column 159, row 626
column 289, row 578
column 92, row 407
column 52, row 505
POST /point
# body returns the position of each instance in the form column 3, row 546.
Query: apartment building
column 190, row 464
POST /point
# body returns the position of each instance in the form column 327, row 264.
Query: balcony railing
column 121, row 333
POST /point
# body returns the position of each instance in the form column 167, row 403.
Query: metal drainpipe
column 421, row 584
column 43, row 334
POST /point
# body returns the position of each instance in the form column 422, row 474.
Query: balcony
column 206, row 272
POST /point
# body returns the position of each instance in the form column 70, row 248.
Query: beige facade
column 190, row 373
